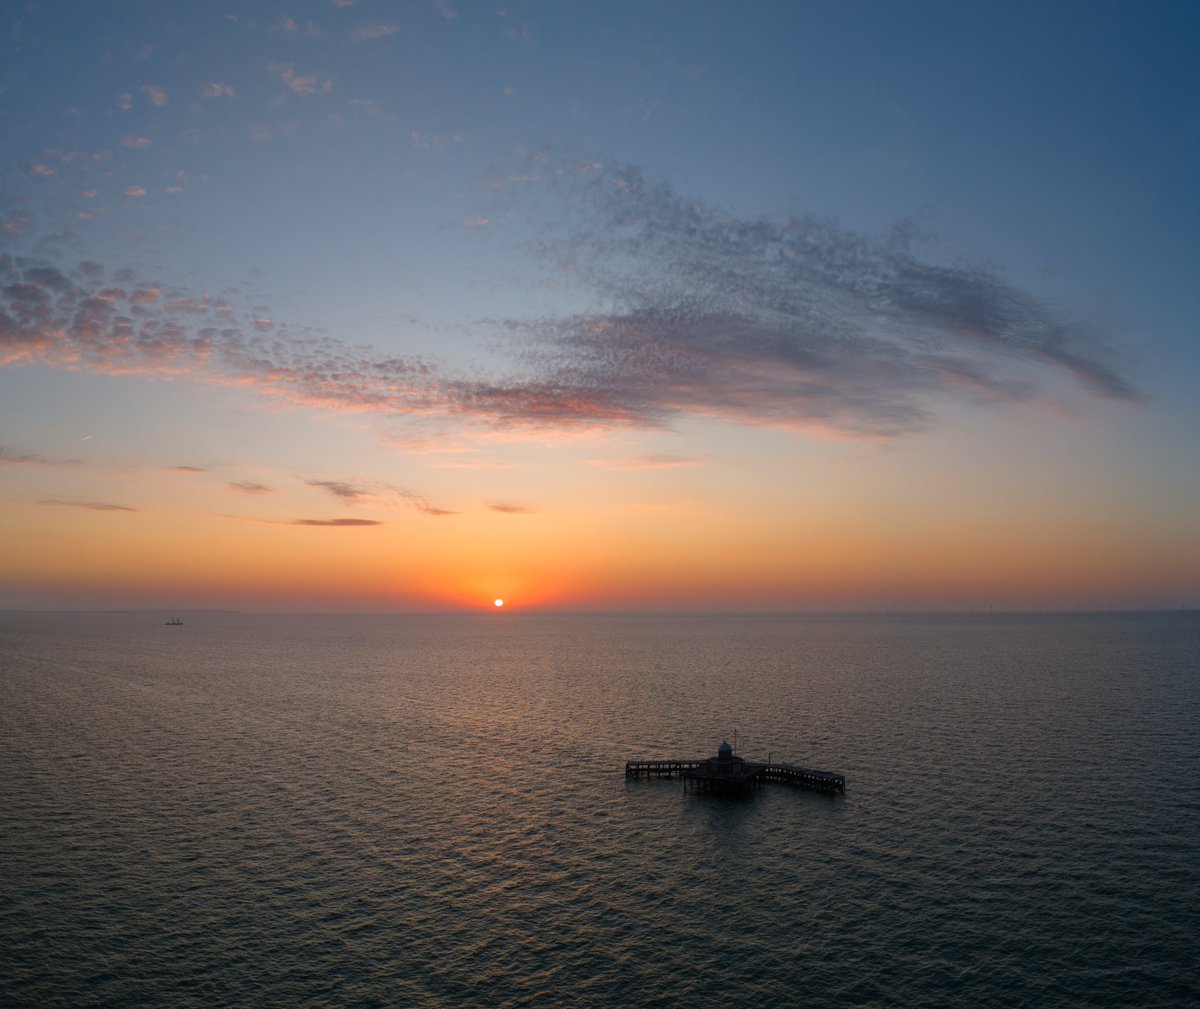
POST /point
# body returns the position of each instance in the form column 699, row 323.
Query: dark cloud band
column 698, row 313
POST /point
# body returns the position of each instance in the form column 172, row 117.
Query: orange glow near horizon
column 673, row 553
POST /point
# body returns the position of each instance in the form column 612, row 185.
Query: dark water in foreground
column 431, row 811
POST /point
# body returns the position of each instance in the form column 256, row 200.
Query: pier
column 727, row 774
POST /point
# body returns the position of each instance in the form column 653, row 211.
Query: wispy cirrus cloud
column 249, row 487
column 342, row 490
column 189, row 470
column 511, row 508
column 380, row 495
column 420, row 503
column 96, row 506
column 661, row 460
column 11, row 457
column 339, row 523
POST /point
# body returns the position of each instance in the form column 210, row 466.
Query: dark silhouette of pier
column 731, row 775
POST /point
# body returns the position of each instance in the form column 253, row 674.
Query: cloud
column 248, row 487
column 96, row 506
column 136, row 142
column 188, row 469
column 340, row 489
column 380, row 493
column 798, row 323
column 156, row 93
column 217, row 90
column 509, row 508
column 369, row 34
column 655, row 461
column 421, row 504
column 11, row 457
column 301, row 84
column 335, row 522
column 424, row 142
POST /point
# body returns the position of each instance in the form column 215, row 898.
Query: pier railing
column 786, row 774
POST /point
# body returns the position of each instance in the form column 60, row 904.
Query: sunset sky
column 358, row 305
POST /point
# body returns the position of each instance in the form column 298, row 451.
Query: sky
column 346, row 305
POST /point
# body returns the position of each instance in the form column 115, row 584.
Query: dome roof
column 724, row 750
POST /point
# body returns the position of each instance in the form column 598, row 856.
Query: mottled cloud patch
column 217, row 90
column 797, row 323
column 249, row 487
column 341, row 523
column 69, row 319
column 129, row 140
column 187, row 469
column 96, row 506
column 654, row 461
column 510, row 508
column 372, row 32
column 156, row 93
column 300, row 84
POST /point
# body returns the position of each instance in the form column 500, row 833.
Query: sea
column 432, row 811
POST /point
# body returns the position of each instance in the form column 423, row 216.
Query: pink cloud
column 301, row 84
column 156, row 93
column 216, row 90
column 131, row 141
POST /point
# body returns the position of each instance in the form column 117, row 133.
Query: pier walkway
column 727, row 773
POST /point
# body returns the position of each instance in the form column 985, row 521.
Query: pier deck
column 749, row 775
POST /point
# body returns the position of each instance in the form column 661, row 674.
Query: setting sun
column 499, row 603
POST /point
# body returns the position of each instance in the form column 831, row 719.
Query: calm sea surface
column 432, row 811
